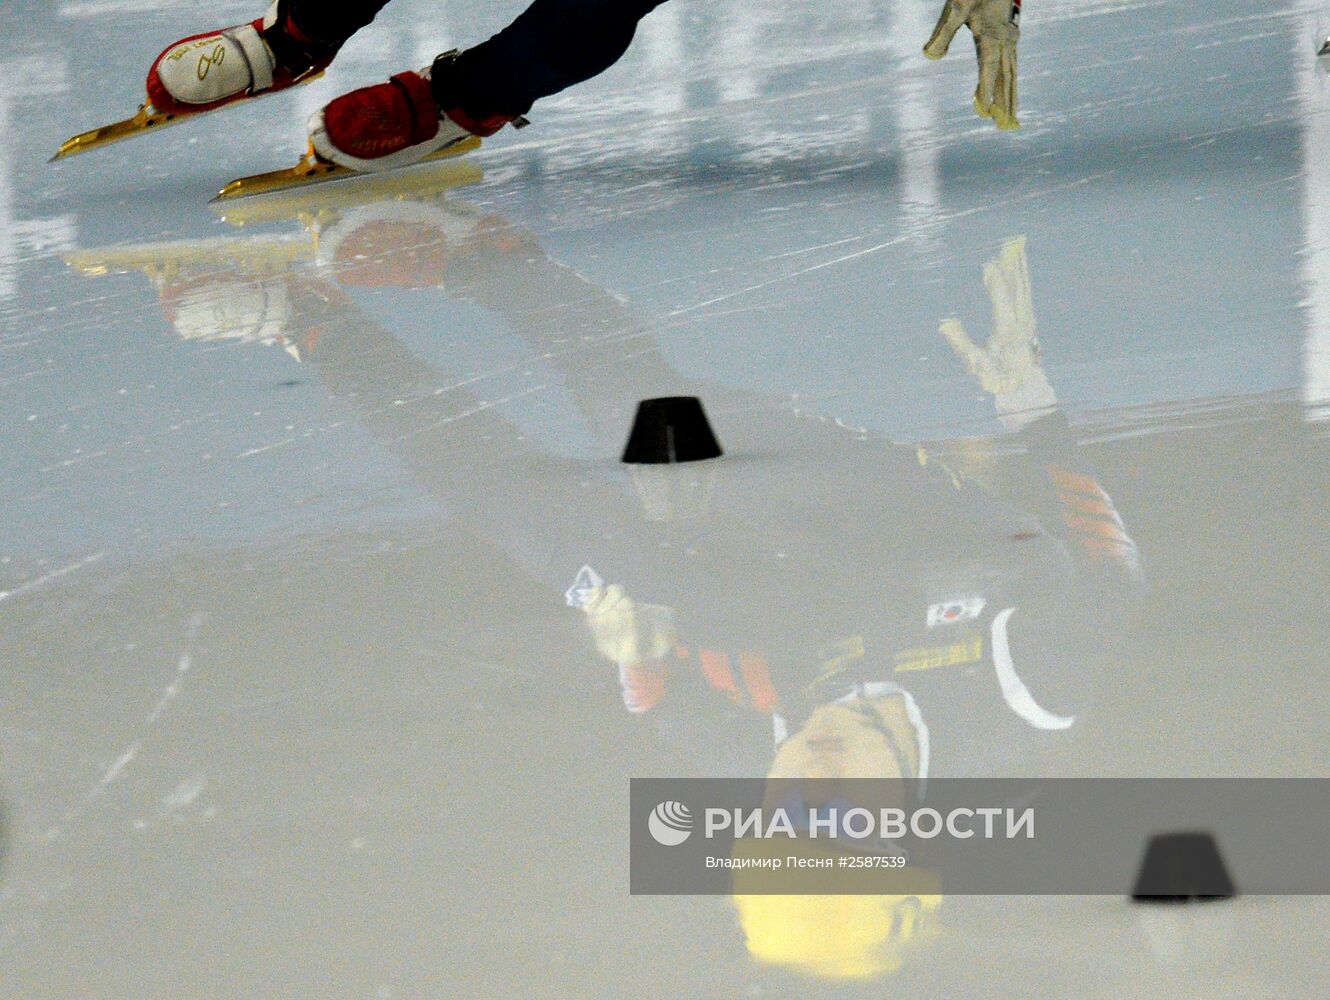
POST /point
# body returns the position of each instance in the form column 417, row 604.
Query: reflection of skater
column 957, row 641
column 867, row 649
column 552, row 45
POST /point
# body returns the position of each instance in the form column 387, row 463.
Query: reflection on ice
column 1008, row 366
column 203, row 301
column 850, row 650
column 1314, row 88
column 23, row 84
column 993, row 518
column 974, row 400
column 835, row 938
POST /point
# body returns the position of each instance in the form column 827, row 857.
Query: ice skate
column 313, row 169
column 215, row 69
column 378, row 128
column 397, row 123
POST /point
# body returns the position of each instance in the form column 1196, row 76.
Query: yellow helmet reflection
column 834, row 937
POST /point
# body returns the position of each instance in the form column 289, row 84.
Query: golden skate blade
column 314, row 171
column 147, row 119
column 419, row 182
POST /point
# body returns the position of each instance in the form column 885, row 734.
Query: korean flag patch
column 963, row 609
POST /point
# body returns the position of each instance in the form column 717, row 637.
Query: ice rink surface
column 295, row 494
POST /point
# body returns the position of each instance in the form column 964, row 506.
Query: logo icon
column 670, row 824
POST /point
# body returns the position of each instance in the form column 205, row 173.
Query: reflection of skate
column 394, row 230
column 274, row 253
column 215, row 290
column 260, row 290
column 397, row 244
column 1008, row 366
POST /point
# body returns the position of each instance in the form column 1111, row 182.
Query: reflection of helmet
column 228, row 309
column 831, row 937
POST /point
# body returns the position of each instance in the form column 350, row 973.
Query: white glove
column 995, row 25
column 1009, row 365
column 626, row 632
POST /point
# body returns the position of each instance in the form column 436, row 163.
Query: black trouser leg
column 332, row 22
column 552, row 45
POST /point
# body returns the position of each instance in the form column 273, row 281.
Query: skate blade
column 312, row 205
column 147, row 119
column 312, row 170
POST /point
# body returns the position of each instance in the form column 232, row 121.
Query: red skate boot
column 395, row 124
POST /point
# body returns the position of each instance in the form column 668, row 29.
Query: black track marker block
column 1181, row 868
column 672, row 429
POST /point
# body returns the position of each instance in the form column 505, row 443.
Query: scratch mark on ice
column 820, row 246
column 131, row 752
column 120, row 764
column 787, row 277
column 44, row 580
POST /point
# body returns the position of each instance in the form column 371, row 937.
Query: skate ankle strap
column 257, row 56
column 420, row 101
column 443, row 79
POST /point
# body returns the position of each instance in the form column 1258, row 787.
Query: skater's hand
column 995, row 25
column 1009, row 366
column 626, row 632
